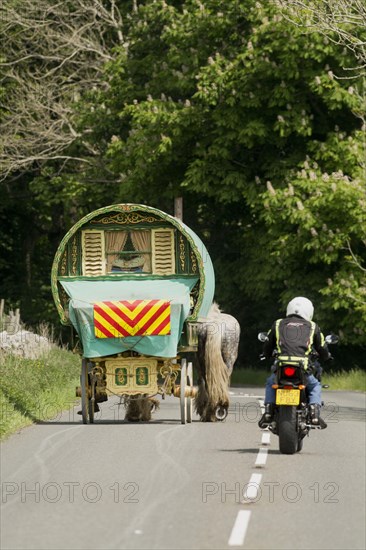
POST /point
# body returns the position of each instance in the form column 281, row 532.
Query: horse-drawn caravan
column 136, row 283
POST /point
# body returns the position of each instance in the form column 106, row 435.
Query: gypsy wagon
column 134, row 282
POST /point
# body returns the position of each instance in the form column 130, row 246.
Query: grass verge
column 249, row 377
column 353, row 380
column 34, row 390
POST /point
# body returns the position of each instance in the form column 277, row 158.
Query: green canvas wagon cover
column 125, row 256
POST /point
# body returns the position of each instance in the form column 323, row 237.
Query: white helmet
column 302, row 307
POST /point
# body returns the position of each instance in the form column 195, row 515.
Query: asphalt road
column 158, row 485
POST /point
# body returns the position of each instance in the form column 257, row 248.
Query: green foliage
column 353, row 380
column 34, row 390
column 318, row 220
column 219, row 100
column 249, row 377
column 211, row 104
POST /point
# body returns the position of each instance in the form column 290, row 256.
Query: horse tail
column 217, row 374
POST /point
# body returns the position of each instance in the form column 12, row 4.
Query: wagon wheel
column 183, row 399
column 84, row 380
column 190, row 385
column 92, row 399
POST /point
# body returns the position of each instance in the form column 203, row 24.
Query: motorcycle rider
column 296, row 335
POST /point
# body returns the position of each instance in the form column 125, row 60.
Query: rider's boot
column 316, row 419
column 267, row 416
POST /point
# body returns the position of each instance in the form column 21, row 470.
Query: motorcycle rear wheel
column 287, row 430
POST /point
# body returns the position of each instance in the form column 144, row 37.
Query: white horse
column 218, row 342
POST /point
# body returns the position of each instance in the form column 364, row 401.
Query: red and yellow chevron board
column 131, row 318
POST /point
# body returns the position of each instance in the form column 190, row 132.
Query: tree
column 213, row 104
column 318, row 239
column 53, row 52
column 342, row 21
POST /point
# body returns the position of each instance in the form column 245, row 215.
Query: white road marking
column 261, row 458
column 251, row 491
column 240, row 528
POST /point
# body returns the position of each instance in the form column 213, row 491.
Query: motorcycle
column 292, row 415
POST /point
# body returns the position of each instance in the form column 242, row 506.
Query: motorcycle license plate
column 287, row 397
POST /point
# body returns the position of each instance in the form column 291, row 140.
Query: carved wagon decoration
column 134, row 282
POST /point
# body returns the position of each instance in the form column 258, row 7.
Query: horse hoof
column 221, row 413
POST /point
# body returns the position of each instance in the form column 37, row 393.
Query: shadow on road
column 249, row 451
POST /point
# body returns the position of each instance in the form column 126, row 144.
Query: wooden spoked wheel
column 91, row 400
column 190, row 385
column 183, row 399
column 84, row 381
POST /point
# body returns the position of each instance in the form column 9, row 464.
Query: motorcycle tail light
column 289, row 371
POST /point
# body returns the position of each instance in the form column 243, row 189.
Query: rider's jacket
column 296, row 337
